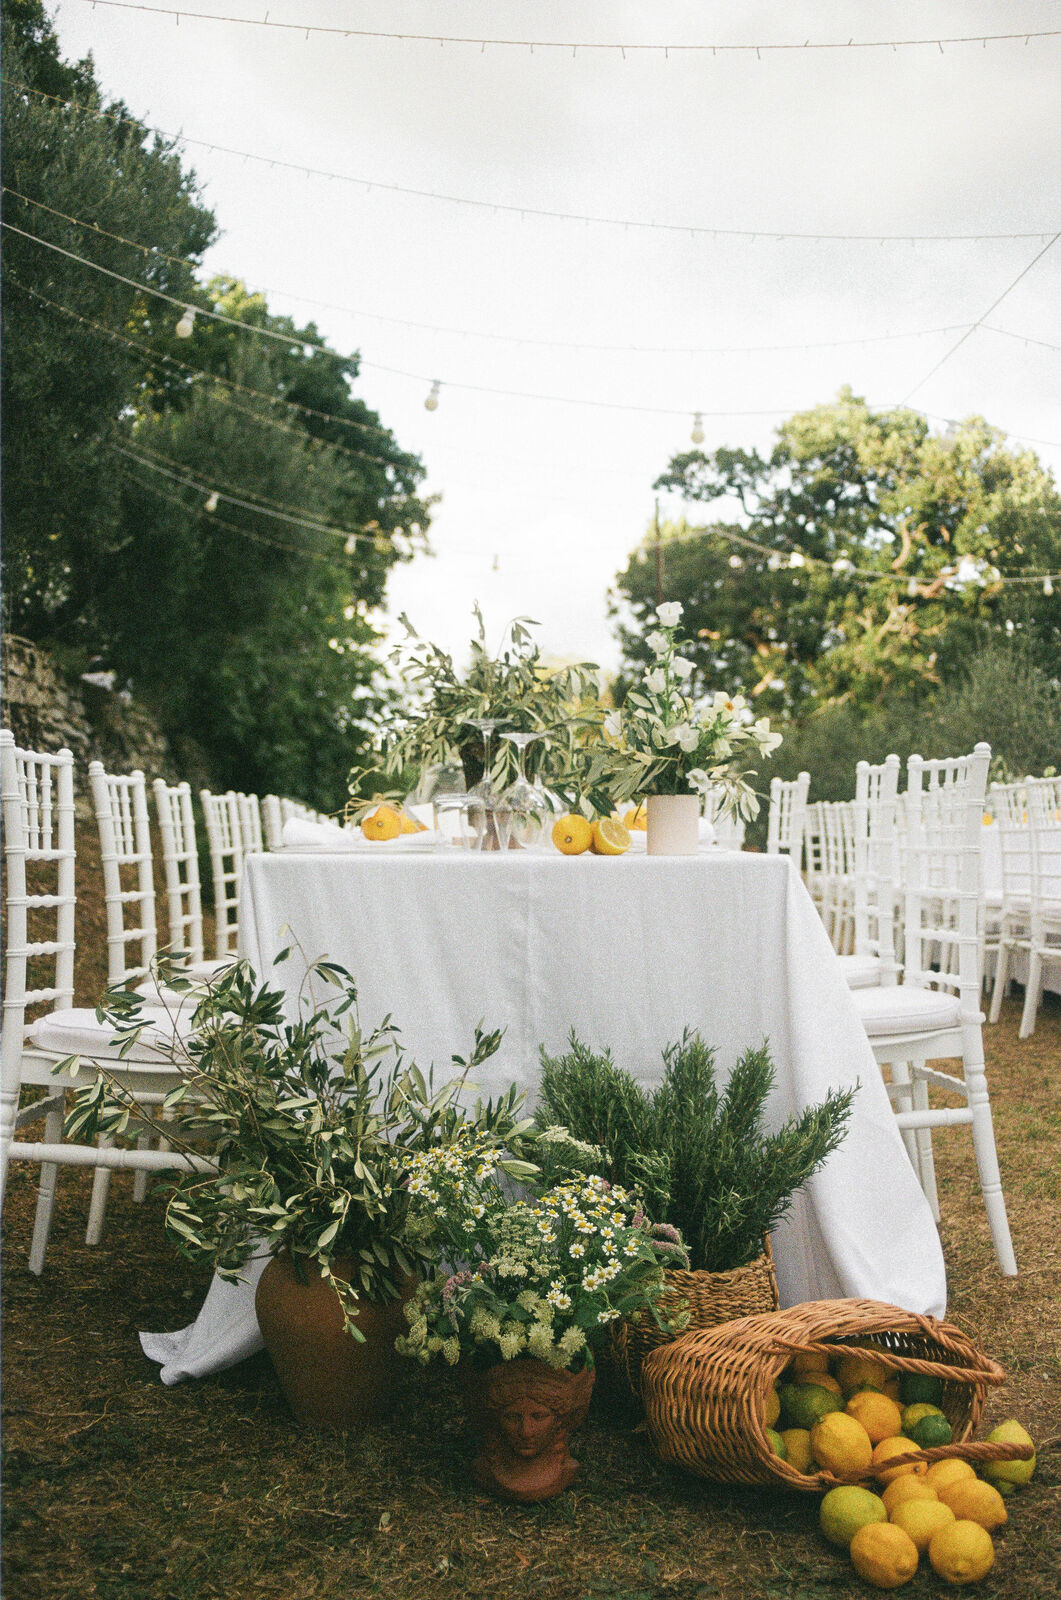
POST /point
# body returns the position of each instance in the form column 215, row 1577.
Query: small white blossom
column 658, row 643
column 682, row 667
column 656, row 680
column 684, row 735
column 669, row 612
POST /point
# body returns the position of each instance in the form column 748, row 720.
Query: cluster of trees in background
column 245, row 627
column 858, row 592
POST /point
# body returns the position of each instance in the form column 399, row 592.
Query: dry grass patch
column 119, row 1488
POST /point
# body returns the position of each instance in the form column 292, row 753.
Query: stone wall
column 46, row 710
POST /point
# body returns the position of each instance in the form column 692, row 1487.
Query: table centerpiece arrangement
column 667, row 745
column 541, row 1282
column 314, row 1128
column 703, row 1161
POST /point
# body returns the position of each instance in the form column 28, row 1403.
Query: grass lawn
column 117, row 1487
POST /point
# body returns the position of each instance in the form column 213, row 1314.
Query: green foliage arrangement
column 516, row 686
column 700, row 1158
column 314, row 1136
column 542, row 1277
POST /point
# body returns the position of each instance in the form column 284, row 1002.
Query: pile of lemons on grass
column 852, row 1419
column 389, row 822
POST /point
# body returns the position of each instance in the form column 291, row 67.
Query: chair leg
column 140, row 1178
column 42, row 1221
column 1032, row 994
column 904, row 1102
column 926, row 1161
column 101, row 1184
column 1001, row 979
column 987, row 1167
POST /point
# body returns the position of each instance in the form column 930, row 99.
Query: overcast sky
column 541, row 499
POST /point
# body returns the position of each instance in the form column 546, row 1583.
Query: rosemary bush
column 699, row 1158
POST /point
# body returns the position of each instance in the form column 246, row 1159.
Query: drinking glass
column 485, row 787
column 526, row 803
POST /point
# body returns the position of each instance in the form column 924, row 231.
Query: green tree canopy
column 862, row 557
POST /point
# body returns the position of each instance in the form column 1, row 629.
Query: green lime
column 918, row 1389
column 777, row 1444
column 931, row 1431
column 912, row 1415
column 846, row 1509
column 804, row 1404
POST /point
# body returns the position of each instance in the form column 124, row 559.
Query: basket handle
column 988, row 1372
column 972, row 1451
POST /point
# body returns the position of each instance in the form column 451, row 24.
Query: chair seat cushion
column 898, row 1009
column 75, row 1031
column 860, row 972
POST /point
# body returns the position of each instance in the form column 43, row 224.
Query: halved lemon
column 610, row 838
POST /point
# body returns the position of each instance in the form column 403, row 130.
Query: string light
column 697, row 435
column 431, row 403
column 212, row 499
column 575, row 45
column 186, row 324
column 760, row 235
column 1048, row 585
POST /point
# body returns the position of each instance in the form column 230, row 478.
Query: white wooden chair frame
column 225, row 837
column 272, row 822
column 874, row 814
column 787, row 818
column 180, row 863
column 1044, row 813
column 37, row 793
column 944, row 809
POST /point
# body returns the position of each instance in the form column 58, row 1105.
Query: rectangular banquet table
column 626, row 952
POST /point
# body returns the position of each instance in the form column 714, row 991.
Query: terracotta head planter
column 524, row 1412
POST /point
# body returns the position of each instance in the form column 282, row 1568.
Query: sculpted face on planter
column 525, row 1412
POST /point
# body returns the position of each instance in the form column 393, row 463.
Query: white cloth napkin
column 299, row 834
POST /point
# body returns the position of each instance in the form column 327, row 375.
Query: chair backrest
column 942, row 899
column 814, row 850
column 250, row 824
column 1044, row 817
column 1009, row 808
column 788, row 814
column 120, row 804
column 225, row 837
column 272, row 822
column 874, row 814
column 180, row 860
column 296, row 808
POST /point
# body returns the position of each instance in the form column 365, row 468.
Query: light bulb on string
column 797, row 559
column 211, row 500
column 911, row 589
column 843, row 564
column 735, row 561
column 431, row 403
column 1048, row 585
column 697, row 435
column 184, row 327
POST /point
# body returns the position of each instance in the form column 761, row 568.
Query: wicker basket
column 705, row 1393
column 711, row 1298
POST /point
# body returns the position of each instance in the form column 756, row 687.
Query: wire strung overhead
column 761, row 234
column 630, row 47
column 522, row 340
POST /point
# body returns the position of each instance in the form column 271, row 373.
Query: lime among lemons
column 930, row 1432
column 1009, row 1472
column 846, row 1509
column 804, row 1404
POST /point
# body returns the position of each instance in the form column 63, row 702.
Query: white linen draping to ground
column 626, row 952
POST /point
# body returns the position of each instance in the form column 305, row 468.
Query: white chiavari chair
column 1009, row 810
column 250, row 824
column 272, row 822
column 814, row 853
column 787, row 817
column 1044, row 814
column 225, row 838
column 39, row 844
column 934, row 1014
column 874, row 819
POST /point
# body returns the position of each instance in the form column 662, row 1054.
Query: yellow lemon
column 921, row 1519
column 972, row 1500
column 879, row 1416
column 572, row 834
column 825, row 1380
column 636, row 819
column 946, row 1471
column 383, row 823
column 908, row 1487
column 1009, row 1472
column 843, row 1511
column 410, row 824
column 841, row 1445
column 810, row 1361
column 797, row 1444
column 773, row 1407
column 884, row 1555
column 896, row 1446
column 859, row 1372
column 610, row 838
column 961, row 1553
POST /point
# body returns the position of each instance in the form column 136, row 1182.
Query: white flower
column 613, row 724
column 684, row 735
column 669, row 612
column 656, row 680
column 683, row 668
column 698, row 779
column 658, row 643
column 766, row 740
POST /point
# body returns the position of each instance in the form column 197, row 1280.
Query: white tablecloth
column 626, row 952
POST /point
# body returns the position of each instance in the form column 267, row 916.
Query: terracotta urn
column 524, row 1413
column 330, row 1379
